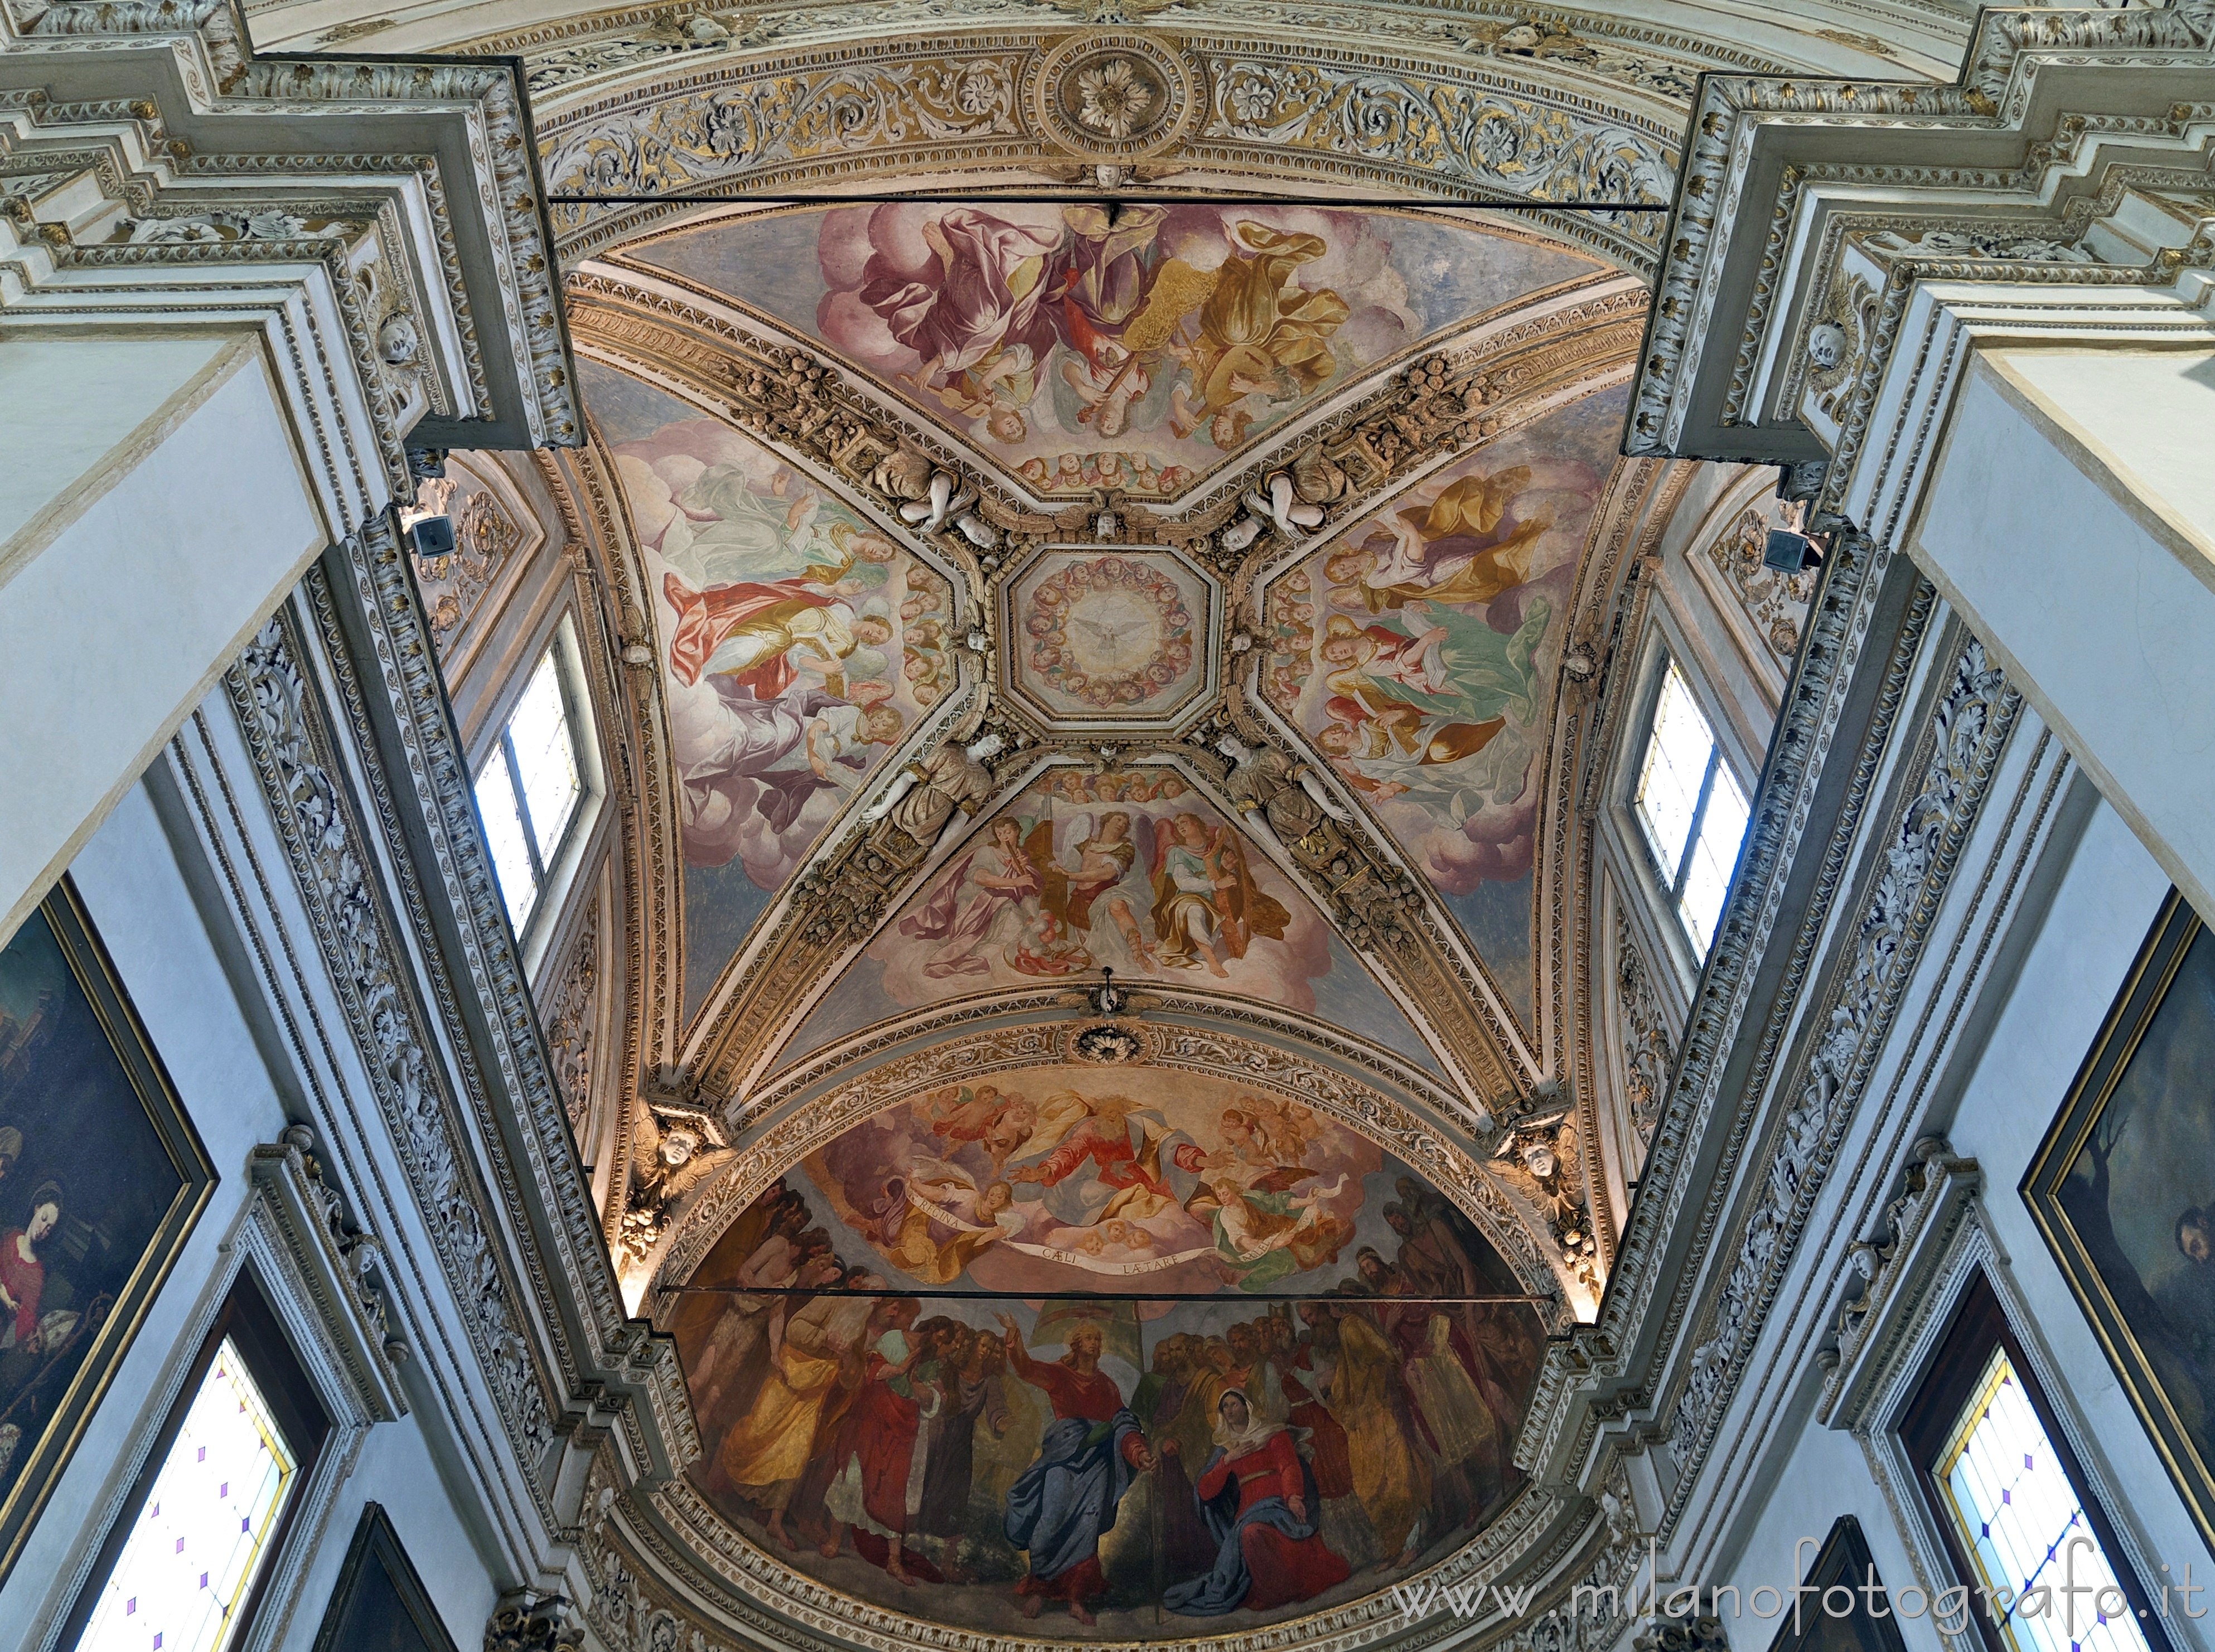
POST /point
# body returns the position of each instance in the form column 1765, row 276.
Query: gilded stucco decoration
column 848, row 434
column 1064, row 105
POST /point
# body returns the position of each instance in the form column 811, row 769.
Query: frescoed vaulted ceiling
column 1112, row 486
column 1171, row 535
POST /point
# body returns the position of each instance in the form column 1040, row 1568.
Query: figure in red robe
column 874, row 1451
column 1261, row 1504
column 1060, row 1507
column 707, row 619
column 1102, row 1138
column 23, row 1275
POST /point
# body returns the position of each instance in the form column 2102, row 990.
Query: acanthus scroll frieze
column 1968, row 729
column 270, row 693
column 1435, row 130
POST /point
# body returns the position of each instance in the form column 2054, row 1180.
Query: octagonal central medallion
column 1094, row 637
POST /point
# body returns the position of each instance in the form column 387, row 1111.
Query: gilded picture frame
column 2119, row 1189
column 379, row 1603
column 86, row 1240
column 1843, row 1562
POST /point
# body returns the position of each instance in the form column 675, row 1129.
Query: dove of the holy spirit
column 1113, row 631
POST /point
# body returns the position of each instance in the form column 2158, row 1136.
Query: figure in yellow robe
column 1391, row 1481
column 1257, row 332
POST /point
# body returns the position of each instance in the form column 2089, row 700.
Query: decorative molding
column 269, row 692
column 1611, row 1372
column 1968, row 728
column 1649, row 1040
column 535, row 1623
column 2067, row 195
column 495, row 537
column 1627, row 56
column 341, row 1266
column 1455, row 130
column 1774, row 605
column 571, row 1018
column 389, row 208
column 1897, row 1267
column 609, row 1367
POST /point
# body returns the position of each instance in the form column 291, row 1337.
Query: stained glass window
column 204, row 1532
column 529, row 790
column 2016, row 1512
column 1691, row 808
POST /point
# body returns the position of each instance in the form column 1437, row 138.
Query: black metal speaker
column 1788, row 552
column 433, row 536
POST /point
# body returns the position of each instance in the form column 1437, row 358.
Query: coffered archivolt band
column 1239, row 111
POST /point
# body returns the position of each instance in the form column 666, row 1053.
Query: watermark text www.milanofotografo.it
column 2072, row 1599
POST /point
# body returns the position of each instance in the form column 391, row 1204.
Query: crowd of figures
column 1217, row 1460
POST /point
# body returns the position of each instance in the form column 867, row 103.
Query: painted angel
column 1452, row 550
column 998, row 1122
column 934, row 1220
column 1207, row 908
column 1267, row 1231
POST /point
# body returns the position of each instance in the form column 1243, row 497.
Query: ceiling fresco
column 1045, row 593
column 1416, row 650
column 1136, row 348
column 1097, row 640
column 1210, row 1461
column 1132, row 871
column 798, row 647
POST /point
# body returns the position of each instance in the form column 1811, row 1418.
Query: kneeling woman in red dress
column 1259, row 1498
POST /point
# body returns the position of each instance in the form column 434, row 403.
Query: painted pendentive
column 1417, row 651
column 798, row 645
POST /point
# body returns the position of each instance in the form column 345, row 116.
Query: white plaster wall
column 146, row 914
column 67, row 405
column 2148, row 414
column 2099, row 609
column 2083, row 948
column 2105, row 905
column 121, row 623
column 1824, row 1476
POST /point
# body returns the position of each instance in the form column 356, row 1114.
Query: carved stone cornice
column 1610, row 1369
column 396, row 204
column 2019, row 174
column 1896, row 1265
column 271, row 693
column 343, row 1265
column 1958, row 752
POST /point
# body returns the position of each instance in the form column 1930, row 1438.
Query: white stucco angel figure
column 673, row 1157
column 924, row 797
